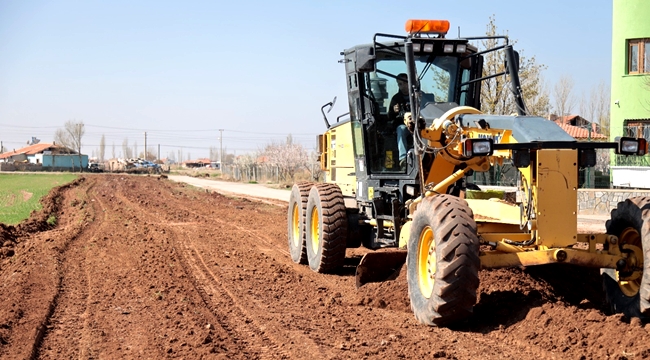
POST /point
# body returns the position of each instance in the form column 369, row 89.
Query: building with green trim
column 630, row 87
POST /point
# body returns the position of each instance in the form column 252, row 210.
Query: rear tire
column 326, row 228
column 630, row 221
column 296, row 221
column 443, row 261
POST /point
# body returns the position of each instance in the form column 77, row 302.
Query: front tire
column 630, row 221
column 296, row 221
column 443, row 261
column 326, row 228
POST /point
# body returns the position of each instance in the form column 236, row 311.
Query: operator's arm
column 393, row 108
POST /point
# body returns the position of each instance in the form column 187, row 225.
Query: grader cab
column 403, row 196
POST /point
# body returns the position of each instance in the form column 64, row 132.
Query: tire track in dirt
column 67, row 290
column 126, row 202
column 325, row 285
column 267, row 333
column 281, row 250
column 268, row 337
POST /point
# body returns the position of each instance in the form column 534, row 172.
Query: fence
column 269, row 173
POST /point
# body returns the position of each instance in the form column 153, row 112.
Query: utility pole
column 158, row 152
column 145, row 145
column 221, row 150
column 1, row 148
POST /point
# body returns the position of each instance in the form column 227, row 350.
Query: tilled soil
column 140, row 267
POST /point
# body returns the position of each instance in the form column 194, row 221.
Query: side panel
column 340, row 169
column 557, row 197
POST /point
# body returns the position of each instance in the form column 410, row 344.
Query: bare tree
column 70, row 137
column 214, row 153
column 102, row 148
column 150, row 155
column 113, row 151
column 496, row 95
column 600, row 96
column 126, row 151
column 562, row 94
column 135, row 148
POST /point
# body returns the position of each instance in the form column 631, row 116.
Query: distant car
column 94, row 167
column 153, row 167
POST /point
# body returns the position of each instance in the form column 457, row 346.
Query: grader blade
column 379, row 266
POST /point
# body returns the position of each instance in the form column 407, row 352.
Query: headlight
column 416, row 47
column 477, row 147
column 632, row 146
column 461, row 48
column 448, row 48
column 428, row 47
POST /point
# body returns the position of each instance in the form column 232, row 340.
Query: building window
column 638, row 56
column 639, row 128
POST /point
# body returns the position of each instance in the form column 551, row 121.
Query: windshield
column 437, row 76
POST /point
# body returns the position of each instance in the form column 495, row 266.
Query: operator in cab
column 399, row 105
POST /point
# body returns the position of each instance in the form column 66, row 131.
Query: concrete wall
column 631, row 176
column 7, row 166
column 601, row 202
column 27, row 167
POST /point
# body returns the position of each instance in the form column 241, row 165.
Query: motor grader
column 414, row 210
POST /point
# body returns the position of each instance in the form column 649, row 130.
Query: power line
column 173, row 131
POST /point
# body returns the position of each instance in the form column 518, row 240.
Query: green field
column 20, row 193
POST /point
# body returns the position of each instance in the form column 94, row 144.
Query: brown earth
column 140, row 267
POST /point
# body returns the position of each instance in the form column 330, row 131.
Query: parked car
column 94, row 167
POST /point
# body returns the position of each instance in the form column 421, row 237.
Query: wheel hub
column 295, row 225
column 315, row 229
column 426, row 258
column 630, row 242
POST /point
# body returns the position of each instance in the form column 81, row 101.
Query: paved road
column 227, row 187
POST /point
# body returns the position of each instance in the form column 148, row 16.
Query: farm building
column 46, row 155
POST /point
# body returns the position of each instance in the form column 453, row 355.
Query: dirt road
column 142, row 267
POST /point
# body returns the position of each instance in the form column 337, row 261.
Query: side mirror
column 329, row 105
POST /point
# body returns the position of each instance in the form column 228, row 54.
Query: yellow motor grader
column 404, row 197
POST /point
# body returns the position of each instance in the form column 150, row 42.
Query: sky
column 259, row 70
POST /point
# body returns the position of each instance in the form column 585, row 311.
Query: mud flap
column 379, row 266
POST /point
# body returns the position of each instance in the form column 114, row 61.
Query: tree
column 102, row 148
column 150, row 155
column 314, row 166
column 496, row 95
column 288, row 157
column 562, row 94
column 126, row 151
column 113, row 151
column 70, row 137
column 214, row 153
